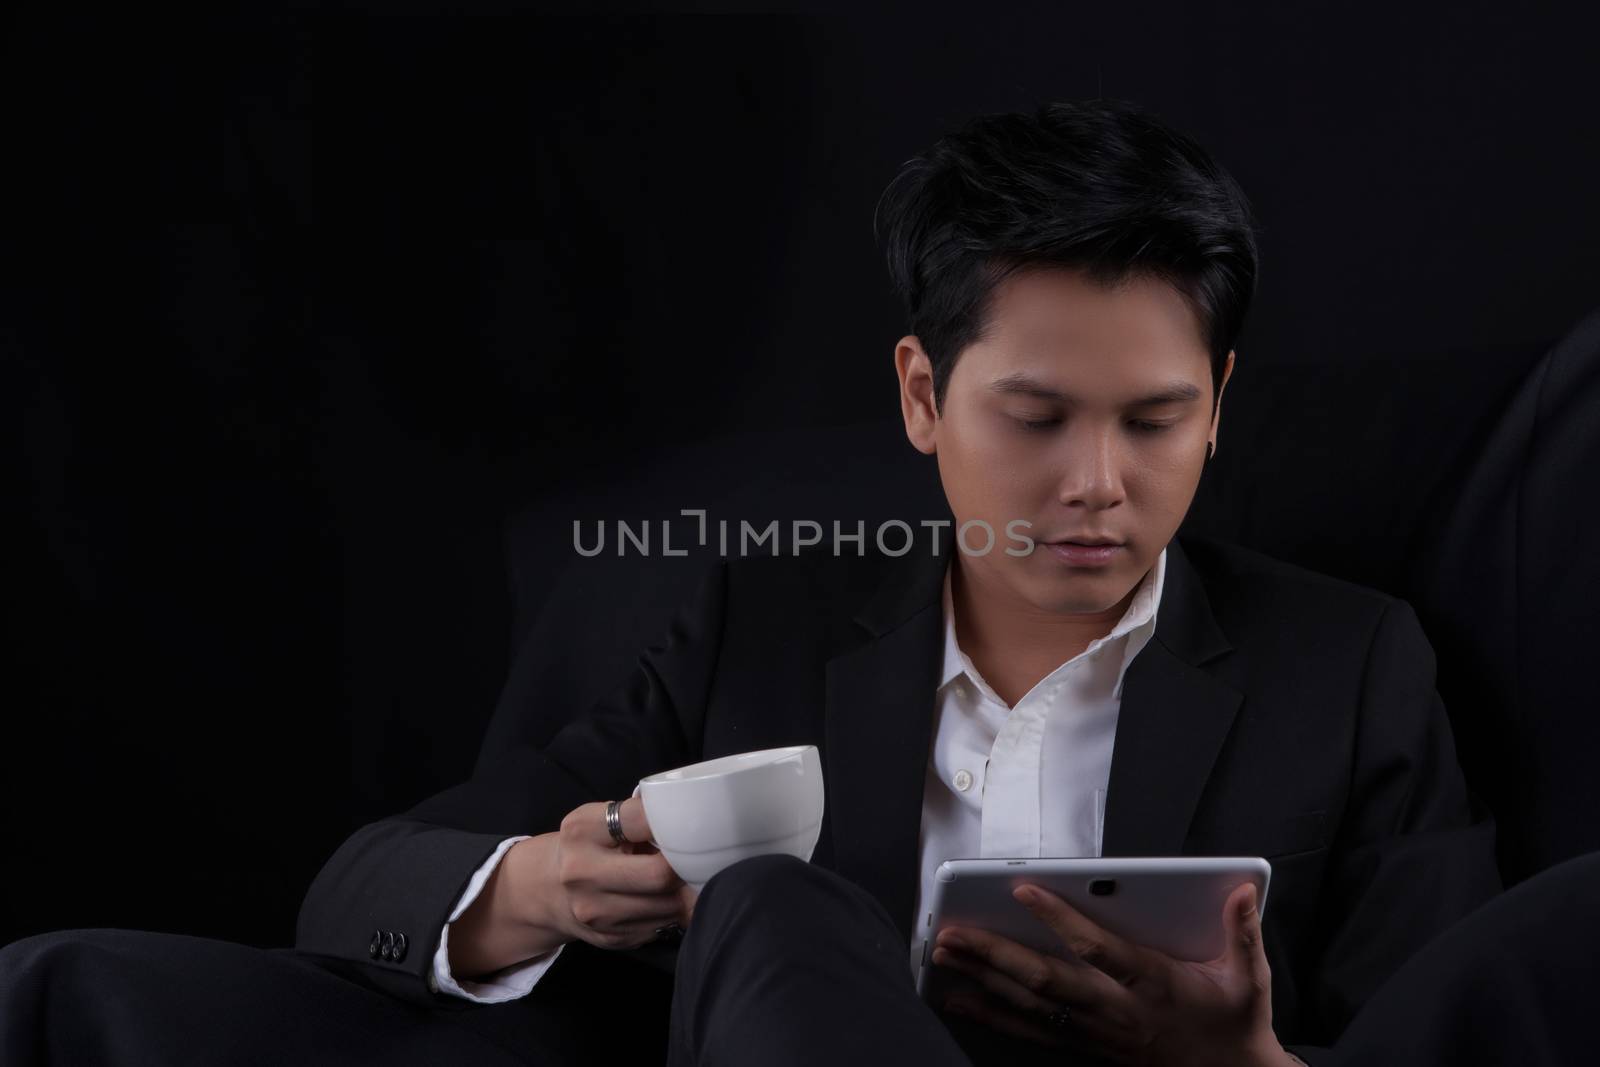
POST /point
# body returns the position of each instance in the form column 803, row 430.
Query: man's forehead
column 1143, row 366
column 1143, row 356
column 1049, row 311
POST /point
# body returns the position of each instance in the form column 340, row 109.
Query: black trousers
column 124, row 997
column 785, row 963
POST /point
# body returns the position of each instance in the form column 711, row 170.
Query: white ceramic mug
column 709, row 815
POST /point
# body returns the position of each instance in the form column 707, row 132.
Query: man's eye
column 1140, row 425
column 1036, row 424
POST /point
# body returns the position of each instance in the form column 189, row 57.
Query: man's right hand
column 575, row 884
column 610, row 895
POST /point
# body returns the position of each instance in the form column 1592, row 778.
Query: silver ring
column 614, row 822
column 1061, row 1019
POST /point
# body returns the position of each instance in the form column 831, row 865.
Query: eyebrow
column 1173, row 393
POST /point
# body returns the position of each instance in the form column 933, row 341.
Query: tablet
column 1169, row 903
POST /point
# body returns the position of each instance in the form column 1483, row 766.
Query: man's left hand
column 1127, row 1002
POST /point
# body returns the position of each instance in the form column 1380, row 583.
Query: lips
column 1075, row 555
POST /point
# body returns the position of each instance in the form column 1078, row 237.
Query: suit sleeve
column 403, row 875
column 1415, row 849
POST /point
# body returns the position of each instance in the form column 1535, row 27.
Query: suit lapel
column 879, row 724
column 1172, row 723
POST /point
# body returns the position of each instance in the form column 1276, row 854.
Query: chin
column 1063, row 592
column 1074, row 596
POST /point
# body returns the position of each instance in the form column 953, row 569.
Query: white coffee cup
column 709, row 815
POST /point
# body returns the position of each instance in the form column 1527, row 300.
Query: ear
column 1216, row 416
column 916, row 394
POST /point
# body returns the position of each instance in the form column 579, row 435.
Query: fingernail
column 952, row 940
column 1028, row 895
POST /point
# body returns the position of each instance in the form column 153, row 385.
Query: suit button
column 387, row 952
column 377, row 944
column 399, row 947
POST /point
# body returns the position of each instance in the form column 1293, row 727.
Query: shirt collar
column 1138, row 623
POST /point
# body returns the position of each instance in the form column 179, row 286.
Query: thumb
column 1245, row 952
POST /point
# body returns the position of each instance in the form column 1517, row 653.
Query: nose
column 1091, row 466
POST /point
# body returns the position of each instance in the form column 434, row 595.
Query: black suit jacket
column 1276, row 712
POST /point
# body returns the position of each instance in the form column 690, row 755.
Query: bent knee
column 55, row 951
column 783, row 888
column 756, row 872
column 68, row 958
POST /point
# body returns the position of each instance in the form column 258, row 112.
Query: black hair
column 1101, row 185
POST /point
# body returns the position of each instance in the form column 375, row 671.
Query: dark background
column 297, row 311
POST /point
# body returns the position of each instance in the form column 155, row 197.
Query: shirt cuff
column 506, row 984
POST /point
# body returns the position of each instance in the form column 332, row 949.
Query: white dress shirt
column 1001, row 781
column 1028, row 780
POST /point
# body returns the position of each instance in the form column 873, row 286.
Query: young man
column 1075, row 281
